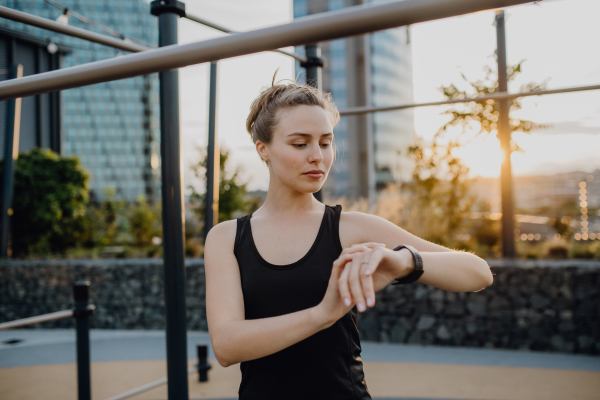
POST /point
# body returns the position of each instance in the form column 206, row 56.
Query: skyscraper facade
column 374, row 69
column 113, row 127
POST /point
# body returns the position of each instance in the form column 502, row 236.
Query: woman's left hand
column 372, row 268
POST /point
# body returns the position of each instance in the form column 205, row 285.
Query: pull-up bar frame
column 221, row 28
column 327, row 26
column 44, row 23
column 480, row 99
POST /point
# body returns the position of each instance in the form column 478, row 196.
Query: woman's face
column 300, row 153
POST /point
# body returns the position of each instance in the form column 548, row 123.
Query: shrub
column 144, row 222
column 558, row 251
column 50, row 196
column 582, row 250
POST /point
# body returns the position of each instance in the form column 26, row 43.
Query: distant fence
column 535, row 304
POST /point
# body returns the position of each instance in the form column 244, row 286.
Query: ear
column 261, row 149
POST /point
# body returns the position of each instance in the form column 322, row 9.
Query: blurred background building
column 40, row 115
column 382, row 62
column 114, row 127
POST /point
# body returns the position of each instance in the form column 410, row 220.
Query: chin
column 314, row 188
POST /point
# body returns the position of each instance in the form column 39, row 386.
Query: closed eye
column 302, row 145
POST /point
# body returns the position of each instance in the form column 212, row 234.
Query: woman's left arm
column 447, row 269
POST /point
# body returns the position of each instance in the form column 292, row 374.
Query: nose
column 316, row 154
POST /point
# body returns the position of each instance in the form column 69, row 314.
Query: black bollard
column 82, row 311
column 203, row 365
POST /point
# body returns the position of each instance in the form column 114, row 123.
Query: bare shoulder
column 358, row 227
column 355, row 227
column 221, row 237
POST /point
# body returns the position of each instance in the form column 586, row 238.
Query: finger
column 357, row 248
column 374, row 261
column 362, row 247
column 367, row 280
column 339, row 264
column 355, row 286
column 343, row 285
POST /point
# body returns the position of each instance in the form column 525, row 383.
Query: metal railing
column 480, row 99
column 218, row 27
column 326, row 26
column 81, row 313
column 50, row 25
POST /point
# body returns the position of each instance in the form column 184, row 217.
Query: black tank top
column 326, row 365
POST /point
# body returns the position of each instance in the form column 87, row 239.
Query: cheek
column 289, row 159
column 328, row 156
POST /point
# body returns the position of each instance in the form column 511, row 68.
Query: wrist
column 417, row 266
column 320, row 318
column 406, row 263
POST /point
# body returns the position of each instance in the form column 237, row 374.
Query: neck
column 283, row 200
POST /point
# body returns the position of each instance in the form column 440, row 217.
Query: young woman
column 284, row 284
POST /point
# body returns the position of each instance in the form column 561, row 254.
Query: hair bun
column 263, row 110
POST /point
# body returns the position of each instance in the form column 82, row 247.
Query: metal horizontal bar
column 320, row 27
column 208, row 23
column 226, row 30
column 36, row 320
column 50, row 25
column 146, row 387
column 495, row 96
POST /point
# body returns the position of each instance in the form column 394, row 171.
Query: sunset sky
column 557, row 39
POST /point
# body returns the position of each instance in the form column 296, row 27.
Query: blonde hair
column 263, row 112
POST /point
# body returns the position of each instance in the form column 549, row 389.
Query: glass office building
column 376, row 70
column 113, row 127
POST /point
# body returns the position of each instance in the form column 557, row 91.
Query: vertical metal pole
column 314, row 74
column 213, row 158
column 11, row 153
column 81, row 294
column 314, row 77
column 369, row 131
column 168, row 12
column 203, row 365
column 504, row 135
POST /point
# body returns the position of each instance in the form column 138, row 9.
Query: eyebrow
column 308, row 134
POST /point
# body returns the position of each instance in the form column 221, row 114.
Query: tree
column 441, row 181
column 144, row 221
column 50, row 196
column 233, row 195
column 486, row 113
column 439, row 189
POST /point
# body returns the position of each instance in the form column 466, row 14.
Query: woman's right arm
column 235, row 339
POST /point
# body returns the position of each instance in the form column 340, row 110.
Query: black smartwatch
column 417, row 272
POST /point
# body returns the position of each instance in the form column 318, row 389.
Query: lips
column 315, row 173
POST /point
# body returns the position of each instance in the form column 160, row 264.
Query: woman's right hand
column 332, row 307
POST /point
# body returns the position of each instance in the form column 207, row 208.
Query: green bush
column 558, row 251
column 233, row 195
column 144, row 222
column 49, row 203
column 582, row 250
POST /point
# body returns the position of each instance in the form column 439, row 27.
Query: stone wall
column 538, row 305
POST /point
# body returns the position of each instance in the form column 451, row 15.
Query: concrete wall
column 539, row 305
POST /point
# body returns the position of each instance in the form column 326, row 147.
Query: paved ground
column 42, row 361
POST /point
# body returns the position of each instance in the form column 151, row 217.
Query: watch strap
column 417, row 272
